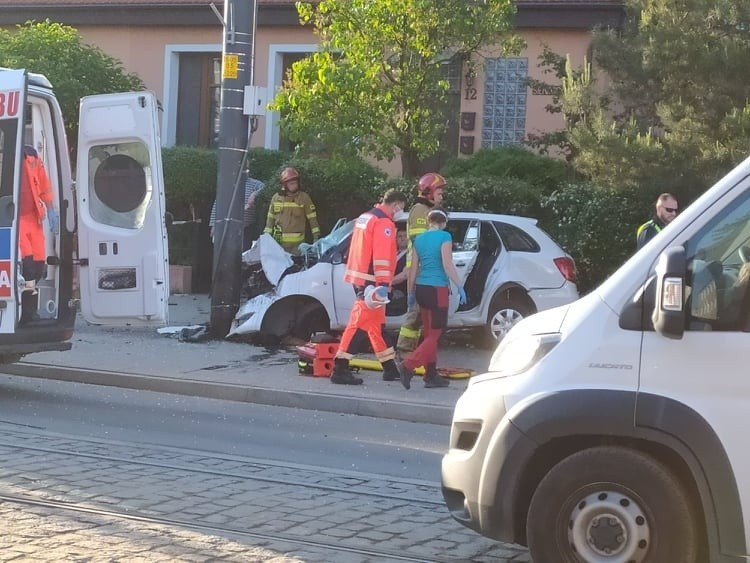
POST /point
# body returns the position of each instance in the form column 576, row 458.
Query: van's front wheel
column 611, row 504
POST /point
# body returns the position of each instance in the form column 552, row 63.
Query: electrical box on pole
column 236, row 72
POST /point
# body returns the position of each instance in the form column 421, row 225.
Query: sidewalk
column 239, row 371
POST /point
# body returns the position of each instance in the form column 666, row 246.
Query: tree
column 378, row 84
column 74, row 68
column 675, row 115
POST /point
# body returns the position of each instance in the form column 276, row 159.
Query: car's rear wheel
column 611, row 505
column 505, row 311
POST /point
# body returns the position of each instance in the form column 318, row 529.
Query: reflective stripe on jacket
column 372, row 252
column 417, row 223
column 647, row 231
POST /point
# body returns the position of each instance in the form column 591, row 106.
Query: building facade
column 175, row 47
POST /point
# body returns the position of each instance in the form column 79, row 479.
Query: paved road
column 68, row 497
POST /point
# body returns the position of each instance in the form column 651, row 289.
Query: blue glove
column 461, row 296
column 411, row 300
column 54, row 220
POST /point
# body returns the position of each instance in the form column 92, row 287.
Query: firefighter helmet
column 429, row 183
column 289, row 174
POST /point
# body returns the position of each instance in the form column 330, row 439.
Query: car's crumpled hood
column 272, row 257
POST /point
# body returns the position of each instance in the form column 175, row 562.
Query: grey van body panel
column 626, row 414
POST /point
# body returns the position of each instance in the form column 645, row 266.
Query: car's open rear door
column 122, row 233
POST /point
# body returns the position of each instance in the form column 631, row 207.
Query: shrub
column 494, row 195
column 189, row 180
column 264, row 164
column 542, row 172
column 596, row 226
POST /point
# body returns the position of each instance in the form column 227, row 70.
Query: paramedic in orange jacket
column 371, row 262
column 35, row 205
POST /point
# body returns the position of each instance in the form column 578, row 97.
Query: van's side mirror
column 669, row 312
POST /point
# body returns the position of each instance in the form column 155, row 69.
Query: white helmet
column 376, row 296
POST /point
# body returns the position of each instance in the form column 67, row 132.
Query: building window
column 198, row 99
column 504, row 114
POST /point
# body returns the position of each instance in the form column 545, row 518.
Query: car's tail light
column 567, row 268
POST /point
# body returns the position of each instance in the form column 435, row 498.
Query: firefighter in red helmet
column 290, row 211
column 430, row 189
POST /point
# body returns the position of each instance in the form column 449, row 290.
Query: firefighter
column 370, row 269
column 289, row 212
column 35, row 205
column 430, row 191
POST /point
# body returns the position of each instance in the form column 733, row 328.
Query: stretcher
column 374, row 365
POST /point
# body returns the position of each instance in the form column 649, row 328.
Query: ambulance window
column 718, row 277
column 120, row 184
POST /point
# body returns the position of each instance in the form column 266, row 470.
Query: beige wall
column 142, row 50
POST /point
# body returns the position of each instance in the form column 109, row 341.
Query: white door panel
column 120, row 190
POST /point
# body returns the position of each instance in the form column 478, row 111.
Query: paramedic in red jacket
column 35, row 205
column 371, row 262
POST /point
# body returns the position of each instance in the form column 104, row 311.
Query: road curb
column 379, row 408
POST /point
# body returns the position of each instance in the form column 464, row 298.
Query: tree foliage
column 74, row 68
column 378, row 84
column 674, row 114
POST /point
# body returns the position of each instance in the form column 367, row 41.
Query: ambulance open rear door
column 122, row 235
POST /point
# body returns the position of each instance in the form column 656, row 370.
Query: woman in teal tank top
column 428, row 284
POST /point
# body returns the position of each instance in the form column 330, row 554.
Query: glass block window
column 504, row 114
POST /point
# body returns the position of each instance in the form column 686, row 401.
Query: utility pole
column 236, row 71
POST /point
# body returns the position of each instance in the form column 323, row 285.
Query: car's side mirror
column 337, row 258
column 669, row 311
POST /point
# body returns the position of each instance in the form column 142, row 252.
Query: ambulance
column 111, row 236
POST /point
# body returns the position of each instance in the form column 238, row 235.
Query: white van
column 613, row 429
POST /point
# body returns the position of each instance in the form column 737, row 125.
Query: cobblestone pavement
column 89, row 500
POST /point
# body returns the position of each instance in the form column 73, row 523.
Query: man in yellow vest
column 666, row 211
column 289, row 212
column 430, row 191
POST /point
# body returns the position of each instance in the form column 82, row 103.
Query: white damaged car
column 511, row 269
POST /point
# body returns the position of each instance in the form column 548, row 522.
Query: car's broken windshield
column 341, row 231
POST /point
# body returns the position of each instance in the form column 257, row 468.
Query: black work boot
column 405, row 374
column 390, row 371
column 432, row 378
column 342, row 375
column 29, row 307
